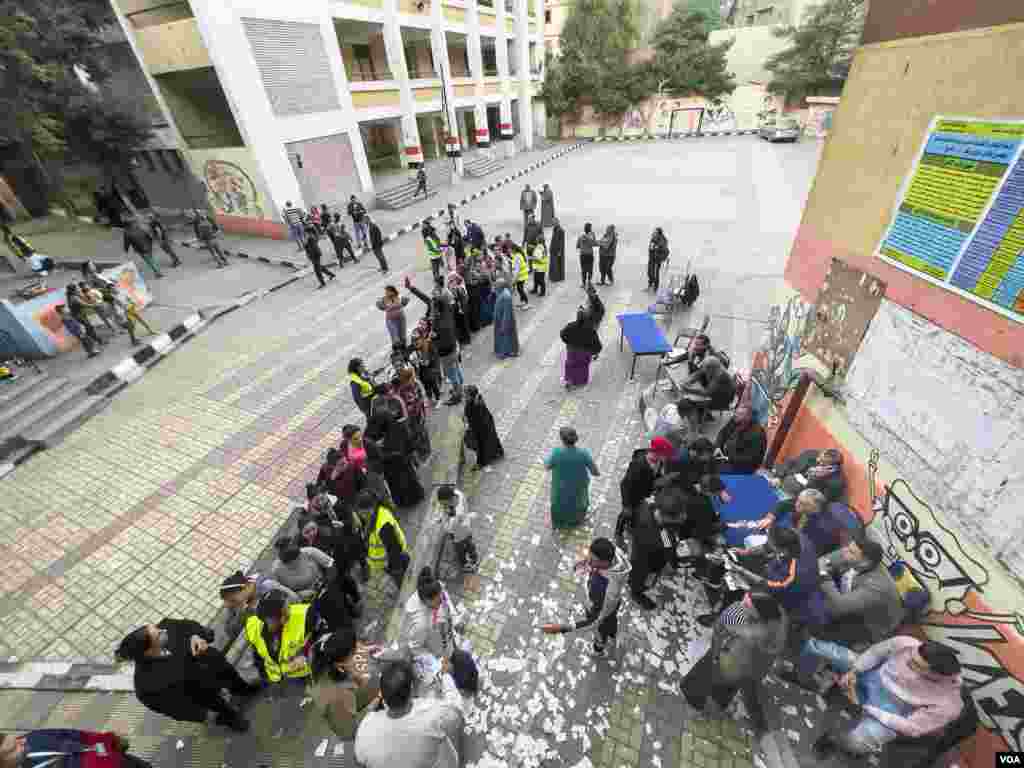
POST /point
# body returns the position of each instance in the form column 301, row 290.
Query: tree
column 685, row 60
column 52, row 60
column 820, row 55
column 711, row 9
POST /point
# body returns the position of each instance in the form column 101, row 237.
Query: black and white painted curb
column 678, row 136
column 488, row 189
column 243, row 255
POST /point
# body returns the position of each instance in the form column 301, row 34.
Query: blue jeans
column 361, row 236
column 867, row 734
column 452, row 370
column 296, row 233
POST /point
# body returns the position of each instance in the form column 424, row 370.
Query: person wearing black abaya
column 389, row 453
column 481, row 435
column 556, row 251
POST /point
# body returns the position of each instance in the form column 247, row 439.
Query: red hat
column 662, row 448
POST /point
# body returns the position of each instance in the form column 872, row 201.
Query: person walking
column 377, row 243
column 607, row 570
column 341, row 241
column 521, row 270
column 77, row 310
column 137, row 239
column 585, row 245
column 393, row 306
column 506, row 335
column 314, row 254
column 657, row 255
column 581, row 347
column 421, row 183
column 159, row 233
column 556, row 251
column 570, row 468
column 293, row 218
column 527, row 204
column 75, row 328
column 360, row 221
column 481, row 435
column 547, row 207
column 539, row 267
column 606, row 255
column 432, row 243
column 206, row 232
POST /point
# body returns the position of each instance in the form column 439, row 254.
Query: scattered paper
column 180, row 744
column 321, row 749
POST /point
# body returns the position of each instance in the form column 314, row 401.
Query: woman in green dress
column 571, row 468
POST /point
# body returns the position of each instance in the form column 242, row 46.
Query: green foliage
column 686, row 62
column 711, row 10
column 821, row 50
column 49, row 50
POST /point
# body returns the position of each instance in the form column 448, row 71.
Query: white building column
column 412, row 149
column 483, row 136
column 525, row 83
column 439, row 47
column 506, row 136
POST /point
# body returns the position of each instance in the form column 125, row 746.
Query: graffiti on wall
column 773, row 371
column 913, row 533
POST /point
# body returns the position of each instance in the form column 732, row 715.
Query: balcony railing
column 490, row 71
column 362, row 76
column 486, row 3
column 424, row 74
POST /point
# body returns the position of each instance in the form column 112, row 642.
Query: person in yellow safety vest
column 520, row 271
column 433, row 244
column 386, row 547
column 278, row 634
column 539, row 262
column 359, row 382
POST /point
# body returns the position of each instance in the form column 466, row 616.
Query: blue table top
column 753, row 497
column 644, row 334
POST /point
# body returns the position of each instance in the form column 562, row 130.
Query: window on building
column 547, row 17
column 490, row 58
column 412, row 63
column 363, row 63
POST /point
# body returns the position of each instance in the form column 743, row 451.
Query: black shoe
column 707, row 619
column 645, row 602
column 234, row 721
column 453, row 400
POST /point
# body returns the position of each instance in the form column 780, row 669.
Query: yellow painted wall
column 172, row 47
column 364, row 99
column 426, row 94
column 409, row 6
column 368, row 3
column 465, row 90
column 455, row 15
column 893, row 92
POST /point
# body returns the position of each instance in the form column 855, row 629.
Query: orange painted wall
column 240, row 225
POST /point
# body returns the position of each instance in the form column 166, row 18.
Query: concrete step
column 55, row 401
column 28, row 402
column 52, row 427
column 10, row 390
column 398, row 195
column 482, row 166
column 396, row 203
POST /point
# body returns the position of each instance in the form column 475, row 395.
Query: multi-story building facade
column 759, row 13
column 312, row 101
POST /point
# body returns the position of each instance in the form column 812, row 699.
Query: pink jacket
column 937, row 697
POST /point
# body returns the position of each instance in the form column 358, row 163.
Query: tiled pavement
column 139, row 515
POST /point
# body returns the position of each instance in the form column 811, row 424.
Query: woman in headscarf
column 481, row 434
column 388, row 453
column 341, row 692
column 571, row 468
column 581, row 347
column 606, row 254
column 415, row 399
column 547, row 207
column 428, row 363
column 352, row 448
column 556, row 250
column 457, row 286
column 657, row 255
column 585, row 244
column 506, row 335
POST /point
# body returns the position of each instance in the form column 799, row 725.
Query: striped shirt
column 735, row 615
column 293, row 216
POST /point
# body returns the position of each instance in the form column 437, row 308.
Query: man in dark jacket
column 742, row 443
column 161, row 236
column 442, row 320
column 137, row 239
column 638, row 482
column 376, row 243
column 315, row 255
column 359, row 220
column 180, row 675
column 810, row 514
column 821, row 470
column 206, row 234
column 748, row 637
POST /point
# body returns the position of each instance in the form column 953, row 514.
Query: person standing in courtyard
column 481, row 434
column 340, row 240
column 342, row 694
column 421, row 183
column 293, row 218
column 527, row 204
column 556, row 251
column 393, row 306
column 571, row 468
column 376, row 243
column 585, row 245
column 432, row 243
column 315, row 256
column 360, row 220
column 547, row 207
column 74, row 328
column 506, row 335
column 137, row 239
column 520, row 270
column 607, row 570
column 606, row 255
column 206, row 232
column 539, row 266
column 159, row 234
column 581, row 347
column 657, row 255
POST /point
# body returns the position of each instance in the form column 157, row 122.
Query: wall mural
column 773, row 371
column 230, row 189
column 987, row 642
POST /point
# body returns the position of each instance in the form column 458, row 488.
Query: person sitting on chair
column 696, row 352
column 812, row 515
column 710, row 388
column 905, row 687
column 822, row 470
column 741, row 443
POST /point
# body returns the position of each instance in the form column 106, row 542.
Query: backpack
column 691, row 291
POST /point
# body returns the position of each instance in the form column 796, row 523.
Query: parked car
column 780, row 129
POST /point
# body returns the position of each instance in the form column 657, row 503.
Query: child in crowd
column 456, row 522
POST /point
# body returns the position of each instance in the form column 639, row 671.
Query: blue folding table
column 644, row 334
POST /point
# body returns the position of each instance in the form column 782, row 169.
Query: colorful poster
column 959, row 221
